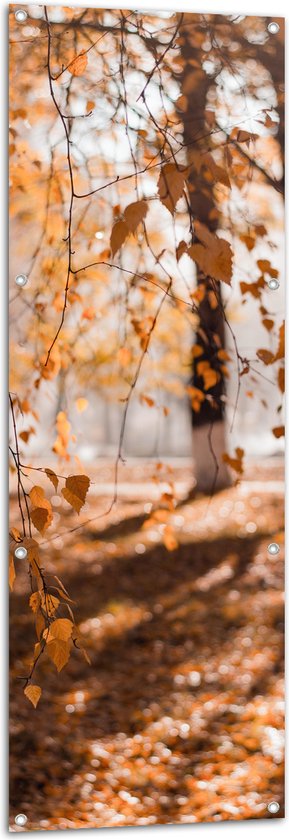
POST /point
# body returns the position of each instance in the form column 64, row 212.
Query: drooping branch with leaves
column 146, row 166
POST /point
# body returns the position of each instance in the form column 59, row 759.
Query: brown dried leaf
column 235, row 463
column 281, row 379
column 41, row 514
column 75, row 490
column 278, row 431
column 119, row 234
column 171, row 185
column 266, row 356
column 12, row 573
column 52, row 477
column 134, row 214
column 212, row 254
column 78, row 65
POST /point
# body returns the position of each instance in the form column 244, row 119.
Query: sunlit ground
column 179, row 718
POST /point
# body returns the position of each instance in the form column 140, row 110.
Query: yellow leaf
column 33, row 692
column 59, row 651
column 52, row 477
column 81, row 404
column 12, row 573
column 78, row 65
column 171, row 185
column 75, row 490
column 134, row 214
column 119, row 234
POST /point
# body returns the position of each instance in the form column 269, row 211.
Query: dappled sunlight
column 180, row 716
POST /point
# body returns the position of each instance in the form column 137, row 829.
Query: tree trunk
column 209, row 416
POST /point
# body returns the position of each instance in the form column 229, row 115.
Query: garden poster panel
column 146, row 417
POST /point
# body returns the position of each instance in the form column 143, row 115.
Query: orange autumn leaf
column 12, row 573
column 212, row 254
column 281, row 379
column 52, row 477
column 266, row 356
column 281, row 343
column 134, row 214
column 75, row 490
column 147, row 400
column 171, row 185
column 35, row 601
column 237, row 462
column 268, row 324
column 41, row 513
column 119, row 234
column 197, row 397
column 78, row 65
column 124, row 356
column 63, row 428
column 210, row 376
column 197, row 351
column 88, row 313
column 181, row 249
column 58, row 651
column 266, row 268
column 61, row 628
column 33, row 693
column 278, row 431
column 169, row 538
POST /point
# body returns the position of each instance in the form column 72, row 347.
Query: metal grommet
column 273, row 807
column 21, row 819
column 21, row 15
column 21, row 280
column 273, row 27
column 273, row 284
column 273, row 548
column 21, row 552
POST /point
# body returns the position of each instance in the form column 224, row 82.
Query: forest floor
column 179, row 717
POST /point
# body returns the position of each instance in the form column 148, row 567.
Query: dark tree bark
column 209, row 420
